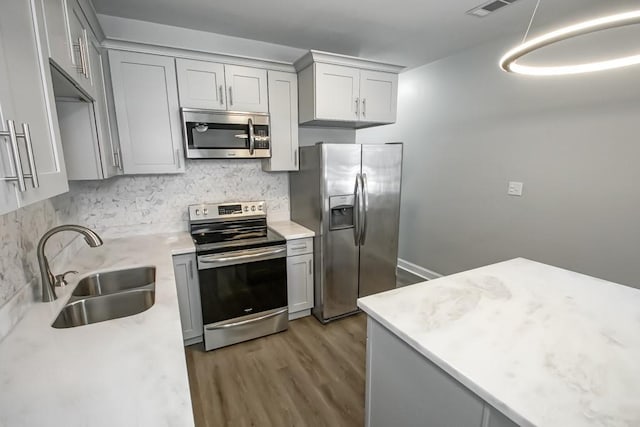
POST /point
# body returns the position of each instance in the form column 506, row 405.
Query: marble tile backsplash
column 158, row 203
column 20, row 232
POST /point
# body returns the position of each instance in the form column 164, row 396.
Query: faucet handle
column 60, row 278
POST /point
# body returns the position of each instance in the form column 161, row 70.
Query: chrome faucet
column 49, row 281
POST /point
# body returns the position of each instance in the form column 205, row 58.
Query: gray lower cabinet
column 186, row 272
column 300, row 277
column 406, row 389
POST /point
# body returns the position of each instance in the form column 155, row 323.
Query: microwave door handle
column 252, row 137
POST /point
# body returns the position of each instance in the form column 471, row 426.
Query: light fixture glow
column 508, row 61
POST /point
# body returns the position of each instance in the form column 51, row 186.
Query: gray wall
column 469, row 128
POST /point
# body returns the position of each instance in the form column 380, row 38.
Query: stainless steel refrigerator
column 349, row 195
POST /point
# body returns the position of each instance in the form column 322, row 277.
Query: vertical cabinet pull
column 295, row 157
column 230, row 96
column 32, row 161
column 364, row 107
column 191, row 269
column 178, row 162
column 15, row 152
column 357, row 106
column 221, row 95
column 115, row 160
column 310, row 272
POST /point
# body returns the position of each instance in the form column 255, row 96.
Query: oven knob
column 253, row 208
column 205, row 211
column 246, row 208
column 197, row 212
column 259, row 207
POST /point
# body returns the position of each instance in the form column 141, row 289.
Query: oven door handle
column 213, row 259
column 244, row 322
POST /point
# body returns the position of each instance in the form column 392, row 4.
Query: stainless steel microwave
column 221, row 135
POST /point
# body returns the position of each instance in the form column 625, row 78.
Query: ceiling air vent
column 486, row 8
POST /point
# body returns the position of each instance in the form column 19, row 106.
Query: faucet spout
column 48, row 279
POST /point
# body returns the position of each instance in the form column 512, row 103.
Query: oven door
column 224, row 135
column 243, row 294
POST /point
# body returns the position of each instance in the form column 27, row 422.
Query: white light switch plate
column 515, row 188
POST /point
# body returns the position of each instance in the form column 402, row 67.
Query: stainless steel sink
column 111, row 282
column 106, row 307
column 109, row 295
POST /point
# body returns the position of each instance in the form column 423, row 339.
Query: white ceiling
column 406, row 32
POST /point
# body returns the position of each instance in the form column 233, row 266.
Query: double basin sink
column 109, row 295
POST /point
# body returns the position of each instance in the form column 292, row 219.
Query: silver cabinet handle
column 365, row 205
column 221, row 95
column 244, row 322
column 295, row 158
column 364, row 107
column 178, row 162
column 191, row 269
column 252, row 136
column 310, row 272
column 115, row 160
column 230, row 96
column 297, row 248
column 241, row 136
column 77, row 46
column 15, row 153
column 357, row 107
column 83, row 64
column 32, row 161
column 120, row 164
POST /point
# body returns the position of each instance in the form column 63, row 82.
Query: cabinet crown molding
column 349, row 61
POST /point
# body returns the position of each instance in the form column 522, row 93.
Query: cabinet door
column 186, row 274
column 378, row 96
column 283, row 112
column 201, row 84
column 79, row 36
column 8, row 194
column 246, row 89
column 337, row 92
column 300, row 282
column 29, row 78
column 59, row 44
column 146, row 100
column 107, row 149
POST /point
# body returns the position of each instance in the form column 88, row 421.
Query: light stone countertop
column 290, row 230
column 545, row 346
column 123, row 372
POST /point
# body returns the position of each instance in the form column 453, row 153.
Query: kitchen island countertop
column 543, row 345
column 123, row 372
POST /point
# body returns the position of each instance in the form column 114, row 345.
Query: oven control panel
column 213, row 211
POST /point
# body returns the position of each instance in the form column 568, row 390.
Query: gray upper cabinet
column 68, row 34
column 283, row 111
column 201, row 84
column 246, row 89
column 147, row 112
column 343, row 91
column 34, row 158
column 215, row 86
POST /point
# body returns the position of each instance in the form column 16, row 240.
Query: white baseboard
column 417, row 270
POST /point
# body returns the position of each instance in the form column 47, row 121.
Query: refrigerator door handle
column 365, row 208
column 356, row 206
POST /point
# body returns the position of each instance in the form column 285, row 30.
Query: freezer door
column 381, row 175
column 339, row 266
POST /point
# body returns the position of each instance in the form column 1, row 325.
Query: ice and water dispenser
column 341, row 211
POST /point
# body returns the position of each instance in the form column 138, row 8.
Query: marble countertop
column 545, row 346
column 291, row 230
column 123, row 372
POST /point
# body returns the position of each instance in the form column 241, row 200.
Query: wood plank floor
column 310, row 375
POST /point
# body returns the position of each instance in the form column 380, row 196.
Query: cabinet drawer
column 300, row 246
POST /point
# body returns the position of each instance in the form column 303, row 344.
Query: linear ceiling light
column 508, row 61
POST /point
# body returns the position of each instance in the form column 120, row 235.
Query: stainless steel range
column 242, row 271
